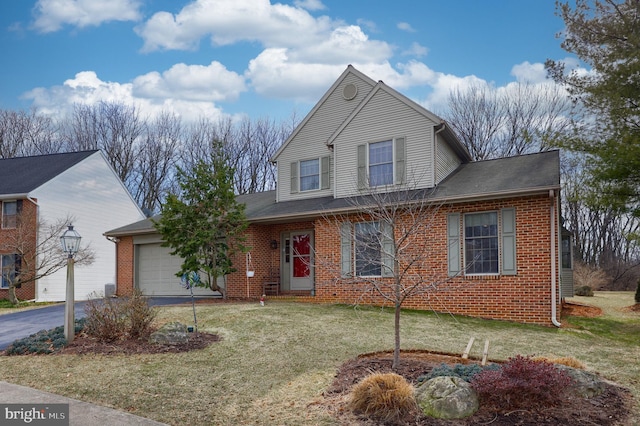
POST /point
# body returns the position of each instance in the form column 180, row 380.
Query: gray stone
column 172, row 333
column 585, row 384
column 447, row 397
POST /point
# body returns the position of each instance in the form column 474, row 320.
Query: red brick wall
column 8, row 239
column 125, row 266
column 525, row 297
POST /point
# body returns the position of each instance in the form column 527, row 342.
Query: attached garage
column 156, row 269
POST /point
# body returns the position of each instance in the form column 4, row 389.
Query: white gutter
column 554, row 320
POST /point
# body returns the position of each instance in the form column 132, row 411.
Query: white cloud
column 209, row 83
column 405, row 26
column 310, row 4
column 416, row 50
column 231, row 21
column 87, row 88
column 51, row 15
column 530, row 73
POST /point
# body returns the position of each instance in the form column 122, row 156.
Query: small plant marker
column 485, row 354
column 465, row 354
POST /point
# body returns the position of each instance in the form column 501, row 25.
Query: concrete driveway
column 25, row 323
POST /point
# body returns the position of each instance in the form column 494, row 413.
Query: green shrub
column 386, row 397
column 463, row 371
column 110, row 319
column 42, row 342
column 584, row 290
column 521, row 383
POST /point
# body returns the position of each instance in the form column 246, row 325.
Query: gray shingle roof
column 512, row 176
column 21, row 175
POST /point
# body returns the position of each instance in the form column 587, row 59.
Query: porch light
column 70, row 242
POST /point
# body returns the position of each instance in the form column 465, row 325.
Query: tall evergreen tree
column 204, row 223
column 605, row 35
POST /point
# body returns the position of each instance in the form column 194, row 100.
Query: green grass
column 274, row 362
column 6, row 307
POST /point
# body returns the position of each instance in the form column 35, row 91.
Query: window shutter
column 325, row 172
column 453, row 243
column 345, row 249
column 388, row 249
column 400, row 161
column 294, row 177
column 362, row 166
column 19, row 206
column 509, row 241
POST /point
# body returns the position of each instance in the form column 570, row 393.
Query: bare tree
column 391, row 258
column 155, row 162
column 35, row 247
column 24, row 133
column 112, row 127
column 520, row 119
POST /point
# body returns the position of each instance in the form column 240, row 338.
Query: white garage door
column 156, row 273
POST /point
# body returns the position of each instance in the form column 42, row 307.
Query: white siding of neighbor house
column 90, row 192
column 311, row 140
column 446, row 160
column 385, row 117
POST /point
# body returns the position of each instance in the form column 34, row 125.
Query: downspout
column 115, row 241
column 554, row 265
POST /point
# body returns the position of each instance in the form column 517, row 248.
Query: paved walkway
column 80, row 413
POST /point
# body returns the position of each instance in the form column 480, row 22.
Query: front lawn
column 274, row 362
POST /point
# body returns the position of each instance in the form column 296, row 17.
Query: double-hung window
column 8, row 264
column 310, row 175
column 482, row 243
column 9, row 214
column 367, row 249
column 381, row 163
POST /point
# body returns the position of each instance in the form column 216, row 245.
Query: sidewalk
column 80, row 413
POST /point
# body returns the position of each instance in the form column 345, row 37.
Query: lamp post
column 70, row 242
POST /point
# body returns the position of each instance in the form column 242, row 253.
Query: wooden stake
column 485, row 354
column 465, row 355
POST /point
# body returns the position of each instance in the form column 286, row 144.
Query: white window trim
column 319, row 160
column 464, row 245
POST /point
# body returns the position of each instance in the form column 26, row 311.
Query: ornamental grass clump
column 386, row 397
column 521, row 383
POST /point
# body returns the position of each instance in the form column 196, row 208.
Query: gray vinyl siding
column 446, row 160
column 311, row 140
column 385, row 117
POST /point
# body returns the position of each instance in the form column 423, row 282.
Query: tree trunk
column 12, row 294
column 396, row 350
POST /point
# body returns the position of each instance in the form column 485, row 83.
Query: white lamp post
column 70, row 242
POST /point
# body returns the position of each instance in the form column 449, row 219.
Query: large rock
column 447, row 397
column 172, row 333
column 585, row 384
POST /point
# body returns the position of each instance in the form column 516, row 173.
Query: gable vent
column 349, row 91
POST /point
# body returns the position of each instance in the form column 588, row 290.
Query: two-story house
column 42, row 190
column 494, row 237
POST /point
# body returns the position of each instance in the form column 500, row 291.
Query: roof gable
column 350, row 71
column 21, row 175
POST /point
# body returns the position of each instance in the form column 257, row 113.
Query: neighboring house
column 49, row 188
column 363, row 136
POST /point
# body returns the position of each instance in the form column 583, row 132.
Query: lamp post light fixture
column 70, row 242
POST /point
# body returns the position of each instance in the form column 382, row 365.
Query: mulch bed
column 83, row 344
column 610, row 408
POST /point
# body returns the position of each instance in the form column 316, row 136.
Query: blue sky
column 262, row 58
